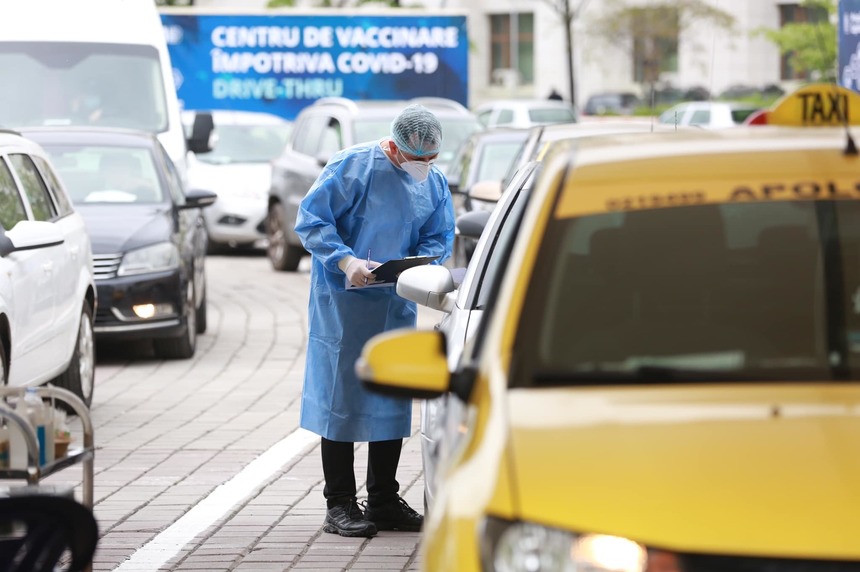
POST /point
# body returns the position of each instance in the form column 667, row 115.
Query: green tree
column 811, row 46
column 651, row 33
column 568, row 11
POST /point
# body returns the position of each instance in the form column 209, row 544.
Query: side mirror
column 30, row 235
column 428, row 285
column 202, row 139
column 197, row 198
column 405, row 363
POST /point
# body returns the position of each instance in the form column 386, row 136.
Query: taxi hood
column 757, row 470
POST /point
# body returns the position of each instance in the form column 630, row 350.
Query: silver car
column 239, row 170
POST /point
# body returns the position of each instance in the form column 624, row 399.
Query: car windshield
column 247, row 144
column 76, row 83
column 759, row 290
column 96, row 174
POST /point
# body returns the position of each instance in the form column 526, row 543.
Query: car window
column 61, row 199
column 505, row 117
column 672, row 116
column 484, row 117
column 174, row 181
column 497, row 261
column 701, row 117
column 34, row 187
column 331, row 140
column 470, row 289
column 555, row 115
column 247, row 144
column 308, row 133
column 11, row 206
column 371, row 129
column 738, row 291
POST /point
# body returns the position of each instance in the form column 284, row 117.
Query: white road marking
column 171, row 540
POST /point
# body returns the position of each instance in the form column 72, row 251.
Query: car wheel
column 79, row 377
column 282, row 254
column 201, row 314
column 181, row 347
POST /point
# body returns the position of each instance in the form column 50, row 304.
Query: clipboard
column 388, row 271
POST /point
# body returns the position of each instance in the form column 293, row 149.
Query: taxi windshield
column 714, row 292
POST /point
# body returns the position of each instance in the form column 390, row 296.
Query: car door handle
column 73, row 252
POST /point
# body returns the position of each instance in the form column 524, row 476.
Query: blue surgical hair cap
column 417, row 131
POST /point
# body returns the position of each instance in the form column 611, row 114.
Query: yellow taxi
column 668, row 378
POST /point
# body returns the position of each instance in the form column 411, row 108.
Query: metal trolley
column 83, row 454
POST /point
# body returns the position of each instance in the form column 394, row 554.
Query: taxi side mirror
column 405, row 363
column 428, row 285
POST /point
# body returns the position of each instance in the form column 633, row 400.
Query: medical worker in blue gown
column 373, row 202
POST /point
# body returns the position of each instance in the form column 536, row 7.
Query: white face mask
column 418, row 170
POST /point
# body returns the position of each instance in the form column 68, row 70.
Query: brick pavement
column 169, row 433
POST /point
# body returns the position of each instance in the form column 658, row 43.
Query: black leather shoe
column 348, row 520
column 394, row 515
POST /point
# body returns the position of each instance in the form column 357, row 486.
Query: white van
column 90, row 62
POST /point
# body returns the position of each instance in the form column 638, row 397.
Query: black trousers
column 338, row 458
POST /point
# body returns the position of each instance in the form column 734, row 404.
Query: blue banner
column 849, row 44
column 281, row 63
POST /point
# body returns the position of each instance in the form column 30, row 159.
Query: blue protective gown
column 361, row 202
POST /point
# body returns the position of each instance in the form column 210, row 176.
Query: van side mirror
column 201, row 139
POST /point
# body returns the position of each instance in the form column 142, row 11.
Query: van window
column 77, row 83
column 753, row 291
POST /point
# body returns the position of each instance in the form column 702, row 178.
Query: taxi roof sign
column 813, row 105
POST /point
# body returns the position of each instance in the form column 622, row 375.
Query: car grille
column 106, row 265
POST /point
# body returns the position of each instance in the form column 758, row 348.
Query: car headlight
column 155, row 258
column 527, row 547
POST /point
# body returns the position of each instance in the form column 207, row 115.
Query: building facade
column 518, row 47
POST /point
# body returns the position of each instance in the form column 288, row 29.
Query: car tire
column 183, row 346
column 201, row 314
column 283, row 255
column 79, row 377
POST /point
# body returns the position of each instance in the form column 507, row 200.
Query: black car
column 147, row 233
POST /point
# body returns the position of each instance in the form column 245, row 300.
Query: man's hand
column 359, row 272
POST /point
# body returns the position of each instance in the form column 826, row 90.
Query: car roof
column 524, row 103
column 58, row 134
column 237, row 117
column 710, row 104
column 16, row 139
column 659, row 162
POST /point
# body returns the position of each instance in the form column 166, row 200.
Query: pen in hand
column 367, row 265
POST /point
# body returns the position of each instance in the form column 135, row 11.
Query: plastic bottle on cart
column 4, row 446
column 40, row 416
